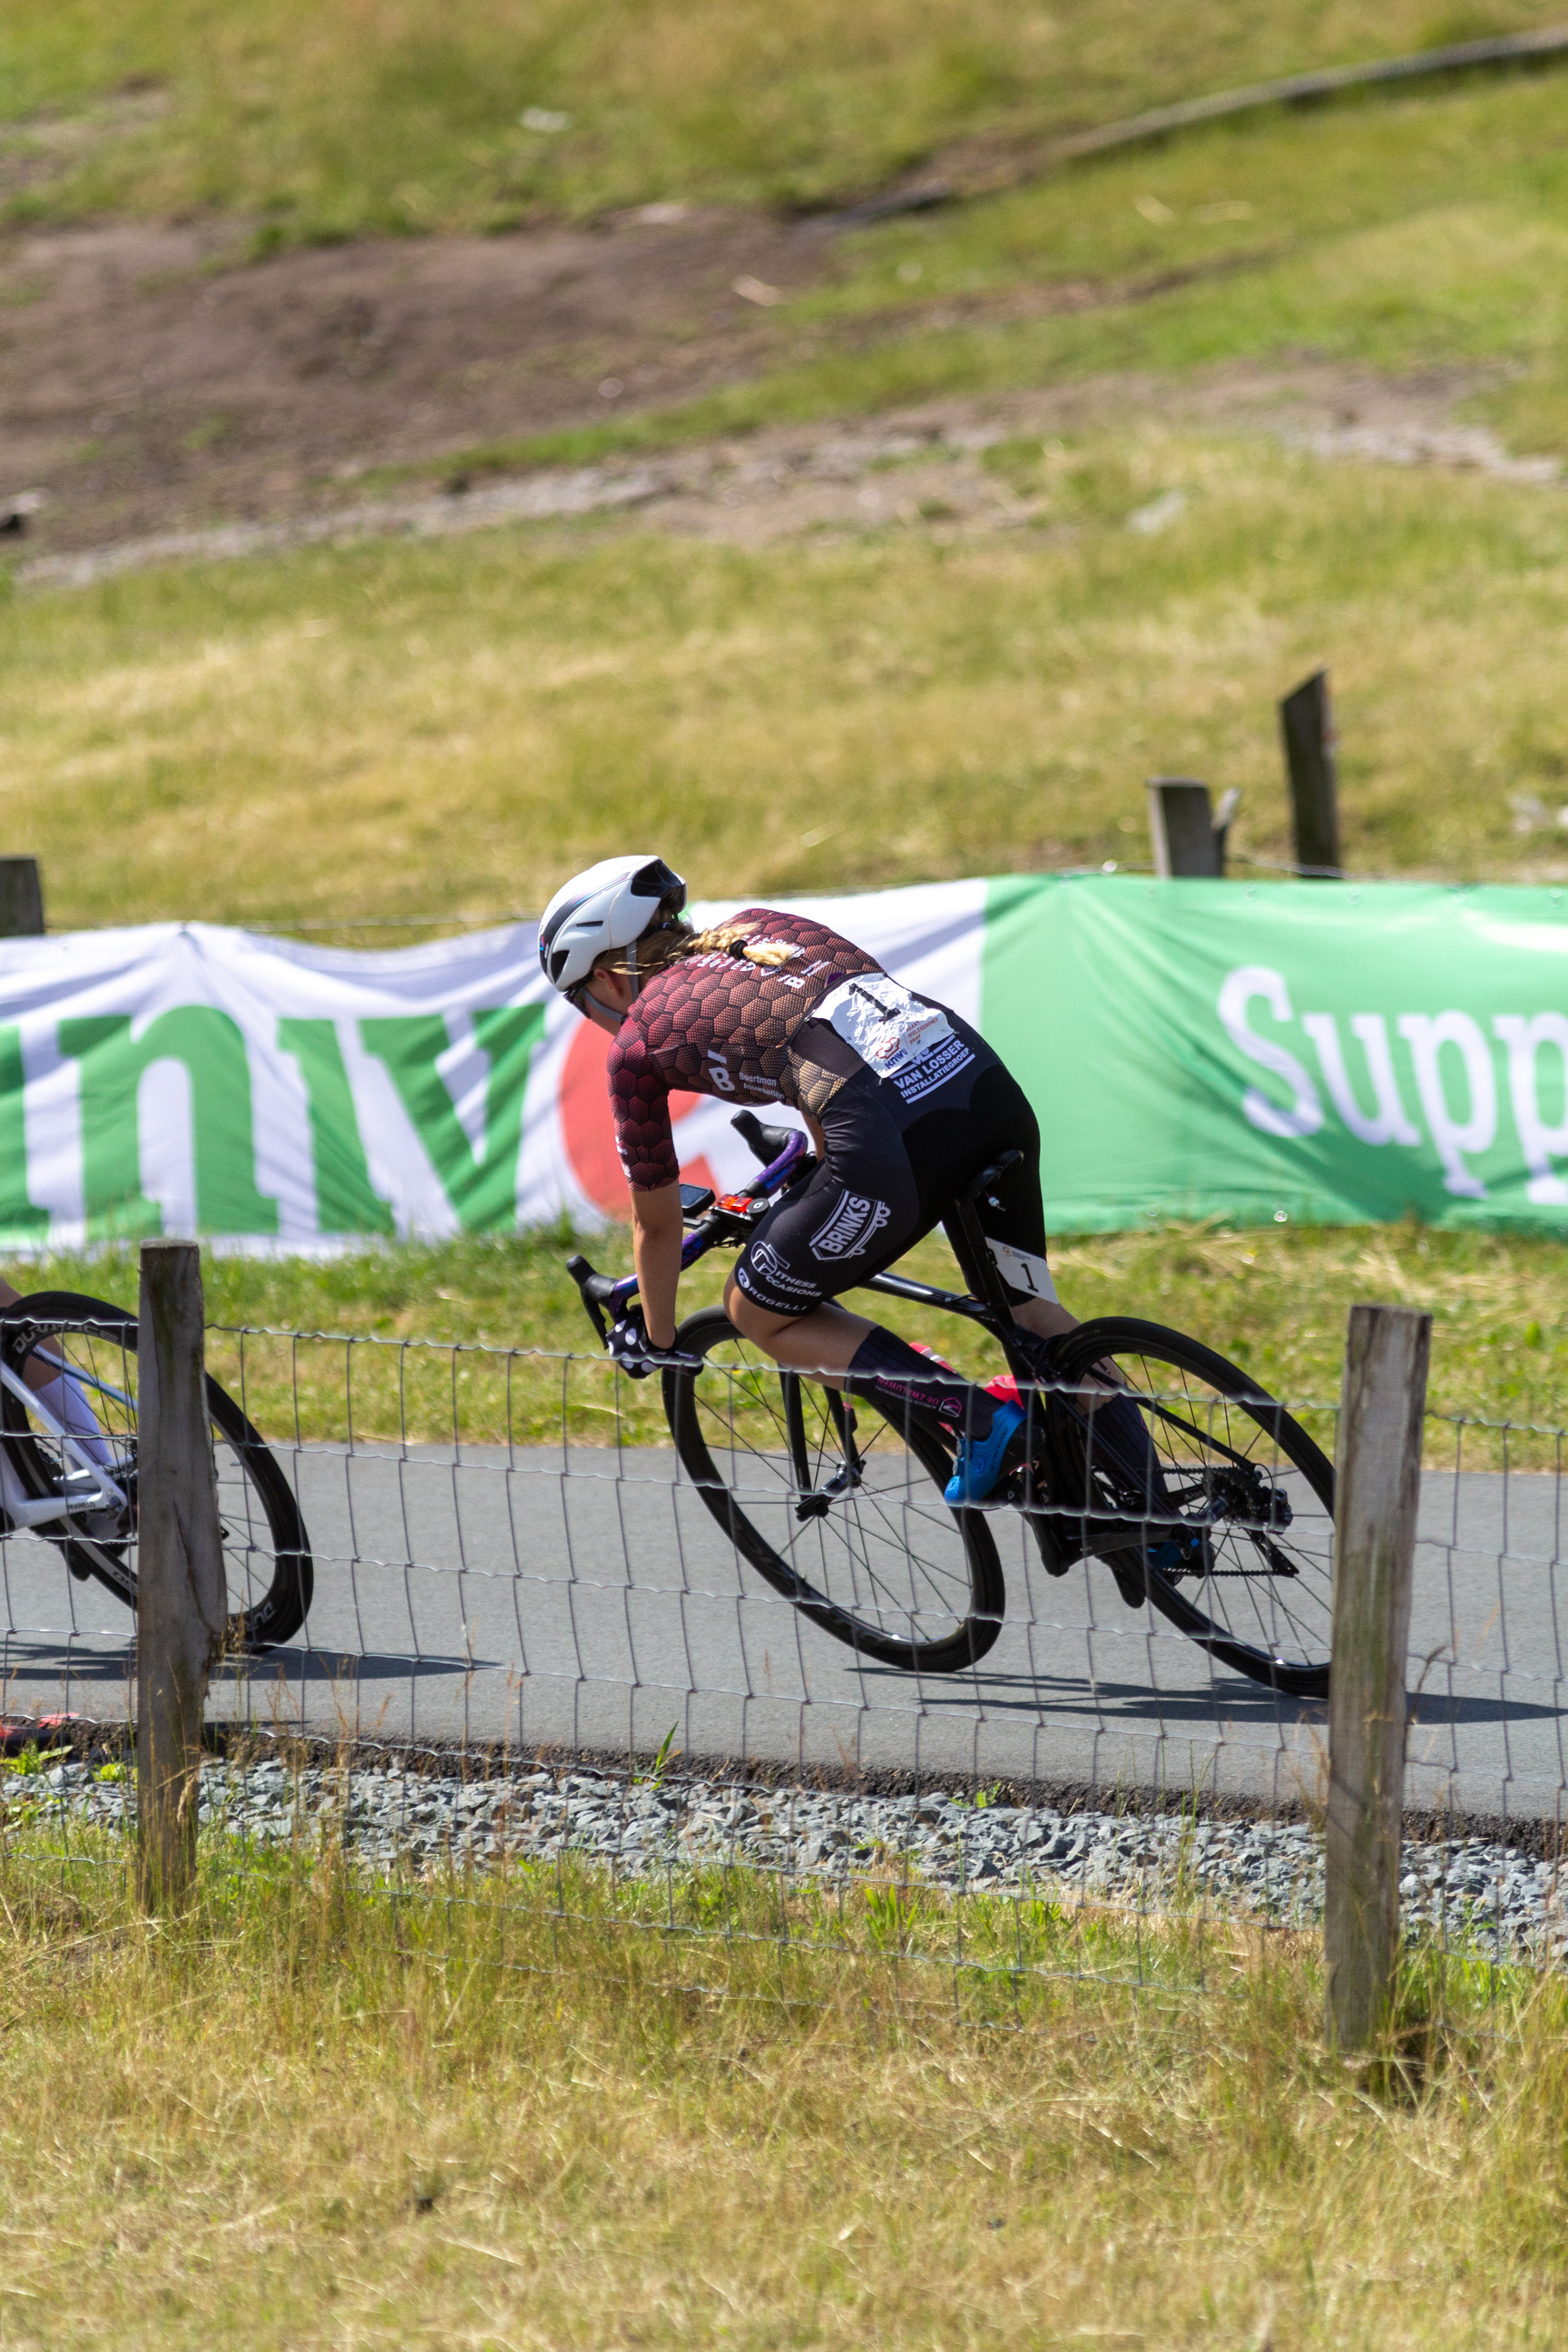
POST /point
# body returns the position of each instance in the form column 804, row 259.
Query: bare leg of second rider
column 61, row 1394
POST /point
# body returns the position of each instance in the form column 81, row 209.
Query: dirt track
column 152, row 382
column 148, row 382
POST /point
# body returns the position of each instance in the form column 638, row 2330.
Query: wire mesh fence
column 790, row 1698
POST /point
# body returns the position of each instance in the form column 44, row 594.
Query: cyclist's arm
column 639, row 1098
column 657, row 1233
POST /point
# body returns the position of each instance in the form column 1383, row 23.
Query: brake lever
column 597, row 1291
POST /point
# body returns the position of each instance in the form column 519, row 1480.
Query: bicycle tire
column 858, row 1544
column 1284, row 1645
column 246, row 1465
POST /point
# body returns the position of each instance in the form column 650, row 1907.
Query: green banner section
column 21, row 1220
column 212, row 1048
column 1323, row 1052
column 481, row 1187
column 346, row 1200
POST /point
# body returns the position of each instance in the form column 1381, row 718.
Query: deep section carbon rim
column 837, row 1507
column 267, row 1554
column 1205, row 1494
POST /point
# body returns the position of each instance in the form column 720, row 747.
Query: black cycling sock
column 887, row 1366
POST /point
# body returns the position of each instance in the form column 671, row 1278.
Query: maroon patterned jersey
column 715, row 1024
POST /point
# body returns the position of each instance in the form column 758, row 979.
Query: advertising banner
column 1317, row 1052
column 1330, row 1053
column 185, row 1078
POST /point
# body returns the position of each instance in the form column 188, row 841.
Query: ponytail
column 672, row 941
column 736, row 939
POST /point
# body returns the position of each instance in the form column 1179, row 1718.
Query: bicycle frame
column 713, row 1223
column 107, row 1493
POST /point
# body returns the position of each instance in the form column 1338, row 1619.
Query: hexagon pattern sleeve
column 639, row 1100
column 717, row 1024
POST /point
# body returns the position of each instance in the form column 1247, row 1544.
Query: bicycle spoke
column 843, row 1506
column 1255, row 1570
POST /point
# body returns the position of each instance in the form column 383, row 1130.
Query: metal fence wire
column 535, row 1649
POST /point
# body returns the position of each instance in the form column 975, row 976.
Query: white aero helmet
column 607, row 906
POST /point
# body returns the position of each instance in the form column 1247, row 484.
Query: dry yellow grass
column 315, row 2116
column 406, row 729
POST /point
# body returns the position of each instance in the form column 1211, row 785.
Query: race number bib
column 890, row 1030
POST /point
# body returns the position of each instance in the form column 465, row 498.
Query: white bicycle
column 68, row 1444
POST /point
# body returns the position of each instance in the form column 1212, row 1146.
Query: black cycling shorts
column 892, row 1171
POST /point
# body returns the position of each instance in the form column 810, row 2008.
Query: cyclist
column 902, row 1099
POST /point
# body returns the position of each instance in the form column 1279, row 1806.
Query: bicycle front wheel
column 834, row 1504
column 267, row 1556
column 1206, row 1497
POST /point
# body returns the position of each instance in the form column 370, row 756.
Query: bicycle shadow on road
column 1432, row 1710
column 350, row 1666
column 1233, row 1700
column 71, row 1659
column 65, row 1661
column 1122, row 1702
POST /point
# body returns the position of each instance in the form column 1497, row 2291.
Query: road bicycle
column 1144, row 1449
column 87, row 1505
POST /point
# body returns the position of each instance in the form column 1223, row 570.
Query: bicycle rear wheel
column 1206, row 1497
column 267, row 1555
column 837, row 1506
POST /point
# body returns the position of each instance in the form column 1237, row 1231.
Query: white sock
column 64, row 1398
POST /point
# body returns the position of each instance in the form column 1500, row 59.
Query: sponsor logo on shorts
column 852, row 1227
column 766, row 1262
column 933, row 1070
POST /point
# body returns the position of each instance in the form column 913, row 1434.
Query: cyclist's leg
column 61, row 1394
column 861, row 1211
column 825, row 1238
column 1013, row 1215
column 1012, row 1219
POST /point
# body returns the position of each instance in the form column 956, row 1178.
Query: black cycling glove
column 635, row 1352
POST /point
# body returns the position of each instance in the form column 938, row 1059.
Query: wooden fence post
column 1378, row 1493
column 1307, row 724
column 21, row 898
column 180, row 1576
column 1182, row 827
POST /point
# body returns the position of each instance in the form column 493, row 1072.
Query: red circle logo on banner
column 590, row 1130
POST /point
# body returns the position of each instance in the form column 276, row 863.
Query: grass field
column 317, row 2114
column 1408, row 233
column 406, row 729
column 1274, row 1301
column 328, row 119
column 325, row 2112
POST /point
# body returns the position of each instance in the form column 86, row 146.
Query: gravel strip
column 1488, row 1893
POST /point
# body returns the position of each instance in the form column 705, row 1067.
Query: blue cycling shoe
column 980, row 1459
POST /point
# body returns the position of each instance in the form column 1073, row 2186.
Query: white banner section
column 190, row 1079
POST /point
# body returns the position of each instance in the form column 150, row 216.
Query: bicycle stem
column 707, row 1236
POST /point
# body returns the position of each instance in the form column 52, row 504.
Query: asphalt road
column 598, row 1605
